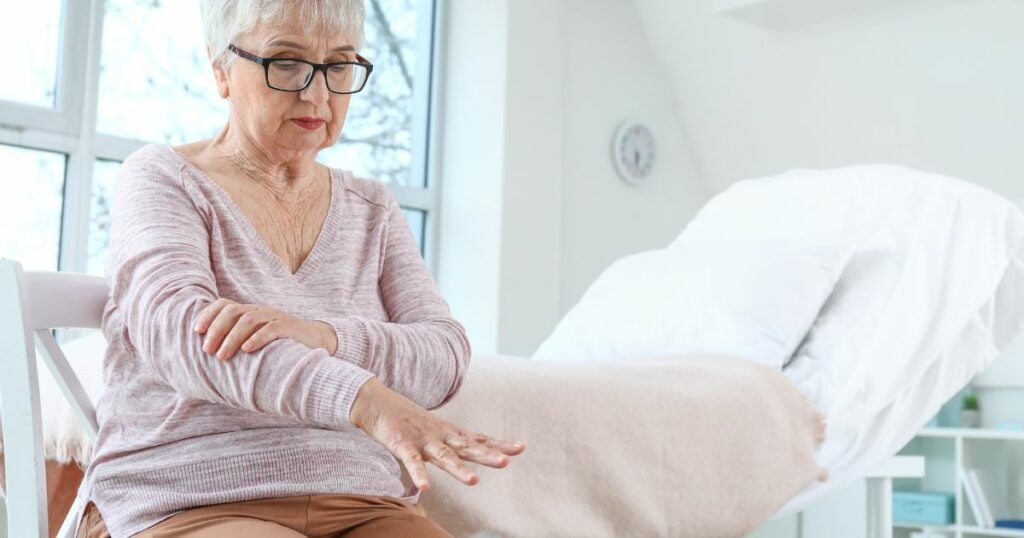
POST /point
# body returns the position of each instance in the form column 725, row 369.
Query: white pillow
column 934, row 251
column 750, row 300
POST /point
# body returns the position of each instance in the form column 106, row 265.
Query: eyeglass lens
column 292, row 76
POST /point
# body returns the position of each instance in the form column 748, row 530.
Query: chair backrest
column 31, row 304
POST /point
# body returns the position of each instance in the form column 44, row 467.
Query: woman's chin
column 307, row 142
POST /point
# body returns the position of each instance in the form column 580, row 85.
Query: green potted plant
column 970, row 414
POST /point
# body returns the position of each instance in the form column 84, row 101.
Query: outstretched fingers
column 413, row 461
column 479, row 453
column 508, row 447
column 444, row 456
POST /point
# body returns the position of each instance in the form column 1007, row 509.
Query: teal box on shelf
column 922, row 507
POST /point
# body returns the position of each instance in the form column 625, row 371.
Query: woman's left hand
column 230, row 326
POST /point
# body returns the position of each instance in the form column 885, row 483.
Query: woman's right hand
column 415, row 435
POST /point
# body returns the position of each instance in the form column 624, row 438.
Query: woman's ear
column 222, row 81
column 219, row 74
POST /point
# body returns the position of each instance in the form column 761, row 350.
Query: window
column 32, row 229
column 379, row 143
column 155, row 79
column 416, row 219
column 103, row 176
column 32, row 42
column 75, row 115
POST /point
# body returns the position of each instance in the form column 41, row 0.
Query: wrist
column 349, row 339
column 359, row 414
column 327, row 336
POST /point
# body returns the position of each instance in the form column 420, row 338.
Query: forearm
column 419, row 350
column 424, row 361
column 284, row 378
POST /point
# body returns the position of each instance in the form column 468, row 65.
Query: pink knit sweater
column 178, row 427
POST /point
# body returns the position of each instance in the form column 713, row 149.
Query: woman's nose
column 316, row 92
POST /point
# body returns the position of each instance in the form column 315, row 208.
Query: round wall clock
column 633, row 152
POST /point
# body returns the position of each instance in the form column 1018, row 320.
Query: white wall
column 471, row 83
column 933, row 84
column 532, row 145
column 613, row 75
column 532, row 178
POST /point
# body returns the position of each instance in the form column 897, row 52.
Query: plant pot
column 970, row 418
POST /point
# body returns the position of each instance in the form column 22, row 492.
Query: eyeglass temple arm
column 247, row 55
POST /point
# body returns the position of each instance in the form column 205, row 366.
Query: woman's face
column 276, row 121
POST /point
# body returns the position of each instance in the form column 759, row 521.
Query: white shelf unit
column 997, row 455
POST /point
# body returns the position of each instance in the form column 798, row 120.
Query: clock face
column 634, row 152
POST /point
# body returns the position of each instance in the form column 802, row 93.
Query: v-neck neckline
column 315, row 254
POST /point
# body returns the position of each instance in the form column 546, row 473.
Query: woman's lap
column 227, row 527
column 350, row 516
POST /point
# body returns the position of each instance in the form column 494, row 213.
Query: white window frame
column 70, row 127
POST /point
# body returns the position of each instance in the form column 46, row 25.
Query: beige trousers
column 349, row 516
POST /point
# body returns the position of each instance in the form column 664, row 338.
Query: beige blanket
column 700, row 446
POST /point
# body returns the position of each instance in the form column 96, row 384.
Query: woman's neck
column 285, row 176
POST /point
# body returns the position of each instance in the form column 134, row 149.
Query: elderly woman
column 275, row 339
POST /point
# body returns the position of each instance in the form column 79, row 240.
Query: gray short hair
column 224, row 20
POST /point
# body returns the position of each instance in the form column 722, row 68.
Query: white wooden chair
column 32, row 303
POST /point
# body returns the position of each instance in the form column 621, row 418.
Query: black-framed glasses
column 294, row 75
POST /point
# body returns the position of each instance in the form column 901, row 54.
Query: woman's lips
column 310, row 124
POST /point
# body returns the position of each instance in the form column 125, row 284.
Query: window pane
column 31, row 207
column 103, row 176
column 155, row 80
column 376, row 141
column 417, row 221
column 31, row 36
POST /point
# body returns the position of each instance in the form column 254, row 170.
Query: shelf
column 999, row 461
column 966, row 529
column 899, row 467
column 922, row 526
column 972, row 433
column 1008, row 533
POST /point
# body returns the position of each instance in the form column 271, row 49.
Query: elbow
column 460, row 351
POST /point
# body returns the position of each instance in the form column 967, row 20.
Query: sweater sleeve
column 160, row 278
column 422, row 352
